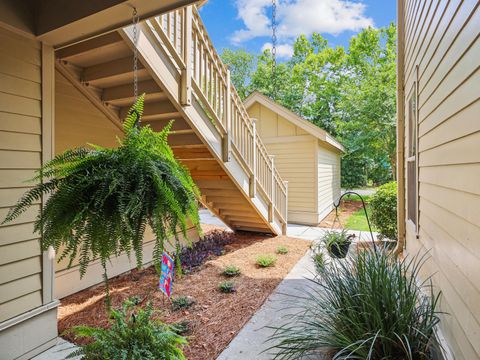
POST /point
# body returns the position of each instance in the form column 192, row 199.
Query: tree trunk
column 393, row 166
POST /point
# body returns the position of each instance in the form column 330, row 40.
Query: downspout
column 400, row 126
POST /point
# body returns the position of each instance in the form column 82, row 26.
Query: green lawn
column 358, row 221
column 366, row 198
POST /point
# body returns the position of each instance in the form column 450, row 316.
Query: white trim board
column 305, row 125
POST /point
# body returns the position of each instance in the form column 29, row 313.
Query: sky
column 246, row 24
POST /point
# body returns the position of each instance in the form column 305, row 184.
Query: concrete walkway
column 58, row 352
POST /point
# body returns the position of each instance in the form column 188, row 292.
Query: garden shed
column 304, row 154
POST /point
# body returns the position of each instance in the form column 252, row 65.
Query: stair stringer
column 162, row 69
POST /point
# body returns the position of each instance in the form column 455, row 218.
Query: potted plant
column 99, row 201
column 337, row 243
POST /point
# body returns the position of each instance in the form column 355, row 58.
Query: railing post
column 227, row 139
column 253, row 177
column 271, row 207
column 285, row 216
column 186, row 85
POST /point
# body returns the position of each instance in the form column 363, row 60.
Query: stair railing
column 185, row 37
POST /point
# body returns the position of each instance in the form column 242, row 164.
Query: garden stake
column 337, row 204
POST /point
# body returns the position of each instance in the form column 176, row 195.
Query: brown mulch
column 215, row 318
column 346, row 209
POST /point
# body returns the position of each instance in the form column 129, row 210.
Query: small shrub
column 132, row 334
column 367, row 307
column 231, row 270
column 266, row 260
column 182, row 302
column 319, row 261
column 181, row 327
column 384, row 210
column 227, row 287
column 282, row 250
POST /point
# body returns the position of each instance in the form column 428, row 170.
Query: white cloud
column 283, row 50
column 297, row 17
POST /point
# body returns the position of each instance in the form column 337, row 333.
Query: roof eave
column 306, row 125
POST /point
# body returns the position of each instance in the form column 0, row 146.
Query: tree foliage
column 241, row 65
column 349, row 92
column 100, row 200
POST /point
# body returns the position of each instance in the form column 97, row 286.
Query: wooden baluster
column 285, row 213
column 272, row 190
column 175, row 31
column 195, row 57
column 205, row 67
column 253, row 176
column 186, row 86
column 169, row 26
column 227, row 139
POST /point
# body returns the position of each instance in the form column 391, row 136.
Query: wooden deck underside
column 102, row 69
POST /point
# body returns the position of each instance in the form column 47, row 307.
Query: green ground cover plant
column 132, row 334
column 182, row 302
column 266, row 260
column 282, row 250
column 231, row 271
column 227, row 287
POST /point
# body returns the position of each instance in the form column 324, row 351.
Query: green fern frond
column 101, row 200
column 134, row 115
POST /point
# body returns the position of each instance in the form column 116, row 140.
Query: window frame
column 412, row 156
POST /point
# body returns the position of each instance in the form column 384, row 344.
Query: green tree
column 262, row 80
column 349, row 92
column 241, row 65
column 368, row 99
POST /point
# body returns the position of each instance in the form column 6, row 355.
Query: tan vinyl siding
column 295, row 159
column 294, row 162
column 78, row 122
column 442, row 39
column 20, row 155
column 328, row 179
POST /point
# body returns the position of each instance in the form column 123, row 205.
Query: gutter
column 400, row 126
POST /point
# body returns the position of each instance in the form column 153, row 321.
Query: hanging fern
column 101, row 200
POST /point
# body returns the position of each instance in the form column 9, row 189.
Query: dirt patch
column 215, row 318
column 346, row 209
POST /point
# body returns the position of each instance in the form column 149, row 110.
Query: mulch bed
column 215, row 318
column 346, row 209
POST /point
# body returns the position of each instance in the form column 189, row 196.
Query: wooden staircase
column 184, row 79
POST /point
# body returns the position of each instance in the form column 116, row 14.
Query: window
column 412, row 187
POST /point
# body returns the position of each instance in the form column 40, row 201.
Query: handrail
column 185, row 37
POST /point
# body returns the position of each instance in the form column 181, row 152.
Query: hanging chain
column 135, row 19
column 274, row 49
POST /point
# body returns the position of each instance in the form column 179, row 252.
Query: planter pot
column 339, row 251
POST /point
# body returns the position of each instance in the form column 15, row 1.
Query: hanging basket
column 339, row 251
